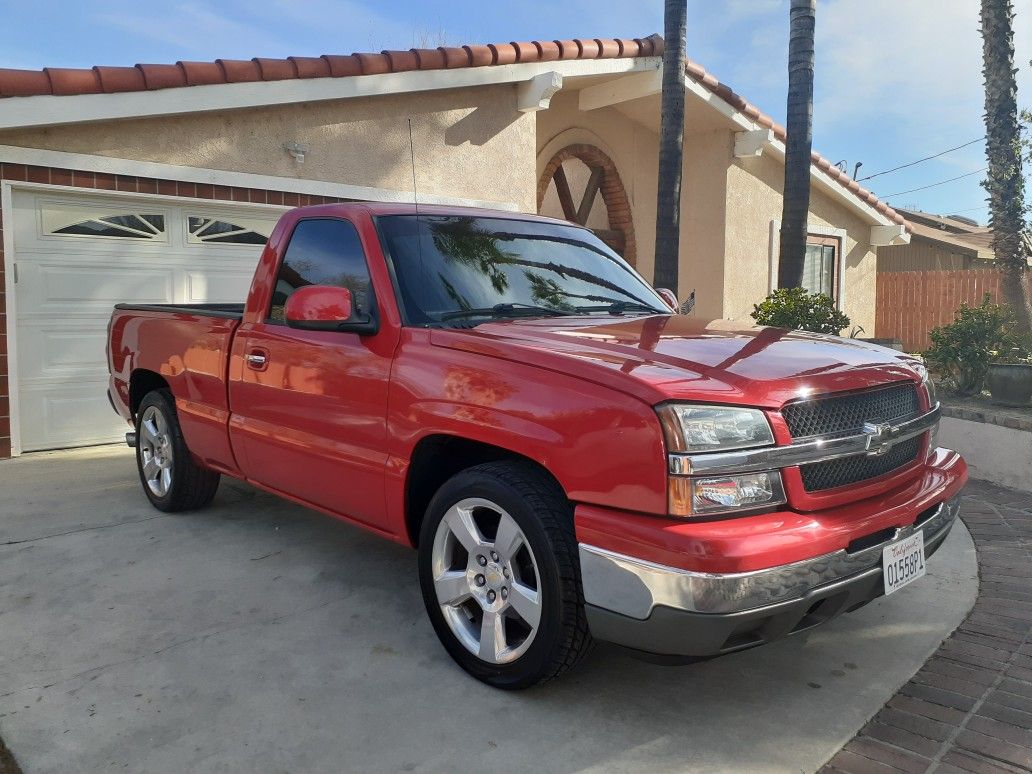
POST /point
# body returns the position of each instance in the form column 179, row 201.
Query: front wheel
column 171, row 479
column 500, row 577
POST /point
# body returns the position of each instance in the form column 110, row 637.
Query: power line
column 970, row 209
column 926, row 158
column 932, row 185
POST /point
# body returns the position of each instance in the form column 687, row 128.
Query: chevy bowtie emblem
column 880, row 437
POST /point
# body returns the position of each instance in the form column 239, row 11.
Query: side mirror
column 321, row 308
column 670, row 297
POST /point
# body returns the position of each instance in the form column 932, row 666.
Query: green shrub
column 979, row 335
column 795, row 308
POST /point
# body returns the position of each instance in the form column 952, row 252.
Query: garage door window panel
column 104, row 224
column 201, row 229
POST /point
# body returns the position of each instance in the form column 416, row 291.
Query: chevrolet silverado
column 570, row 458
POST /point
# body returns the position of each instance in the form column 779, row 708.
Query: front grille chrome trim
column 804, row 452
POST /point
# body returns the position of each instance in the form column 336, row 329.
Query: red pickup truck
column 572, row 460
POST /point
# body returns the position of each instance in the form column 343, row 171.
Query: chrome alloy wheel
column 486, row 580
column 155, row 451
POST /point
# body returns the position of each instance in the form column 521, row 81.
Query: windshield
column 469, row 268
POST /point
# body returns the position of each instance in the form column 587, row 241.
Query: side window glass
column 323, row 251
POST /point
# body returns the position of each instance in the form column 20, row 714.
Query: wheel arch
column 438, row 457
column 142, row 381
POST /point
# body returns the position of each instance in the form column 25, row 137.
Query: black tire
column 544, row 515
column 191, row 486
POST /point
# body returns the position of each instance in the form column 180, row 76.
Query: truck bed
column 188, row 347
column 229, row 311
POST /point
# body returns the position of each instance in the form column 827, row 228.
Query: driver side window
column 323, row 251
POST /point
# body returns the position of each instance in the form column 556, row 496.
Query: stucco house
column 159, row 183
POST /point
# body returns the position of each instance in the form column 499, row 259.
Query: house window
column 819, row 265
column 237, row 232
column 131, row 225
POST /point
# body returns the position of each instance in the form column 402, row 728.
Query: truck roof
column 409, row 208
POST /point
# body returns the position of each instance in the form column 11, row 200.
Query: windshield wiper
column 618, row 307
column 505, row 310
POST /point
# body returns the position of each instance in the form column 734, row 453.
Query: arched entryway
column 576, row 176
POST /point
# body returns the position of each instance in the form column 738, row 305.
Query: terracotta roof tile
column 275, row 69
column 629, row 47
column 311, row 66
column 569, row 49
column 610, row 49
column 429, row 58
column 117, row 79
column 240, row 70
column 64, row 81
column 162, row 76
column 525, row 52
column 454, row 57
column 548, row 50
column 23, row 83
column 590, row 49
column 373, row 64
column 401, row 61
column 343, row 66
column 479, row 56
column 504, row 53
column 201, row 73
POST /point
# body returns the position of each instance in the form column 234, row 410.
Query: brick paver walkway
column 969, row 709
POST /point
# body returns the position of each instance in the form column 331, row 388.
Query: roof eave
column 49, row 110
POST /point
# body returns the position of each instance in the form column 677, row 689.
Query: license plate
column 903, row 562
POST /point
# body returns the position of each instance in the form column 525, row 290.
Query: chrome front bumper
column 680, row 615
column 632, row 587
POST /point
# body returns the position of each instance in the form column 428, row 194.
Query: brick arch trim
column 614, row 195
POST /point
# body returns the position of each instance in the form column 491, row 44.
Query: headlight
column 724, row 494
column 927, row 384
column 933, row 399
column 691, row 428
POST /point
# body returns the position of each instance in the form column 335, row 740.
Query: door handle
column 256, row 360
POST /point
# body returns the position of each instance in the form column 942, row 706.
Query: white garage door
column 77, row 256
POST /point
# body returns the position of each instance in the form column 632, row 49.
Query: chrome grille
column 851, row 470
column 846, row 415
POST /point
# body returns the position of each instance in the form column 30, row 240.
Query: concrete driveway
column 257, row 636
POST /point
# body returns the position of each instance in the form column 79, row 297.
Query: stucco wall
column 469, row 143
column 754, row 200
column 727, row 207
column 634, row 150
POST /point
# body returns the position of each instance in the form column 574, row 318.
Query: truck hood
column 666, row 357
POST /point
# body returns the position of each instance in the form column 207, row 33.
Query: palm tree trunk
column 671, row 146
column 1005, row 183
column 798, row 143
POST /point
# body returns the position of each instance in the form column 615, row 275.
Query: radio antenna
column 415, row 199
column 412, row 160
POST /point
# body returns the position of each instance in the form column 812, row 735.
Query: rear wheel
column 500, row 578
column 171, row 479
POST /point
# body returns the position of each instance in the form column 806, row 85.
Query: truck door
column 310, row 407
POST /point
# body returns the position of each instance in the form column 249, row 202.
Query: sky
column 895, row 80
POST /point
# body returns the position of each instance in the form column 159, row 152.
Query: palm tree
column 1005, row 183
column 798, row 143
column 671, row 146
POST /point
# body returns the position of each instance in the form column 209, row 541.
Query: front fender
column 603, row 446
